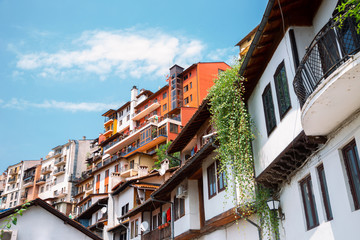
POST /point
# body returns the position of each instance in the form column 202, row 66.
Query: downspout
column 251, row 222
column 172, row 214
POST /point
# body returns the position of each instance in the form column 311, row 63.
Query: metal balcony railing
column 331, row 47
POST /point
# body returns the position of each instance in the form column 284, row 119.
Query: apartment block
column 59, row 172
column 14, row 182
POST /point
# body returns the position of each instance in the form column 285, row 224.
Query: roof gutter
column 257, row 36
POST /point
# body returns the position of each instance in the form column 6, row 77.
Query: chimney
column 143, row 171
column 115, row 179
column 84, row 137
column 164, row 166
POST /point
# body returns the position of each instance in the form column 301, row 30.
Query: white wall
column 241, row 230
column 31, row 226
column 345, row 222
column 219, row 203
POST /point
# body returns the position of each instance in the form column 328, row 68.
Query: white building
column 41, row 221
column 59, row 170
column 302, row 94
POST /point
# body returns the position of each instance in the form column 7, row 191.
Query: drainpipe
column 172, row 214
column 127, row 230
column 253, row 223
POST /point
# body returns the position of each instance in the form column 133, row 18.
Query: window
column 190, row 97
column 282, row 90
column 165, row 107
column 173, row 128
column 116, row 169
column 186, row 101
column 128, row 108
column 164, row 95
column 325, row 192
column 221, row 181
column 190, row 85
column 269, row 109
column 211, row 175
column 179, row 207
column 120, row 122
column 125, row 209
column 128, row 117
column 136, row 227
column 216, row 180
column 132, row 163
column 186, row 88
column 352, row 164
column 10, row 204
column 41, row 189
column 155, row 221
column 309, row 203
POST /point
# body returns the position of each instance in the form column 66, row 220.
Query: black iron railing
column 331, row 47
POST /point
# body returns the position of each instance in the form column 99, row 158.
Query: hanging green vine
column 233, row 125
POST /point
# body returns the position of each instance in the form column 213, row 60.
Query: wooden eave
column 92, row 209
column 191, row 128
column 294, row 13
column 123, row 106
column 289, row 160
column 190, row 167
column 108, row 112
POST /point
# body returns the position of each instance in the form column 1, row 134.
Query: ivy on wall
column 234, row 135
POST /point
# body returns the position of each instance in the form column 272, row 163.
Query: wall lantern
column 274, row 206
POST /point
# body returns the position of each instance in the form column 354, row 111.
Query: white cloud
column 223, row 54
column 21, row 104
column 125, row 53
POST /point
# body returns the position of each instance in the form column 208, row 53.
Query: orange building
column 157, row 118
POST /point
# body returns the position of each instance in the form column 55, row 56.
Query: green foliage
column 349, row 8
column 12, row 219
column 161, row 155
column 233, row 125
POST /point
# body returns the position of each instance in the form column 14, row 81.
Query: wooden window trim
column 307, row 181
column 324, row 190
column 349, row 146
column 268, row 128
column 277, row 88
column 208, row 179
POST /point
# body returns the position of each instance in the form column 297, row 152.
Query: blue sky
column 64, row 63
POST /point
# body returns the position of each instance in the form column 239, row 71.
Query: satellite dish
column 144, row 226
column 104, row 210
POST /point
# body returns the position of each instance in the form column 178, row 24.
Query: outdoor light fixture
column 274, row 206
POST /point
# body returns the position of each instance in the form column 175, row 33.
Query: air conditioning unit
column 9, row 235
column 181, row 191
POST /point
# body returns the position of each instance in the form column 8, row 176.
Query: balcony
column 13, row 172
column 108, row 121
column 29, row 182
column 60, row 161
column 46, row 170
column 161, row 233
column 59, row 172
column 326, row 81
column 107, row 133
column 154, row 105
column 41, row 181
column 12, row 179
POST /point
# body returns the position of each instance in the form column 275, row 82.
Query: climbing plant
column 349, row 8
column 234, row 135
column 12, row 219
